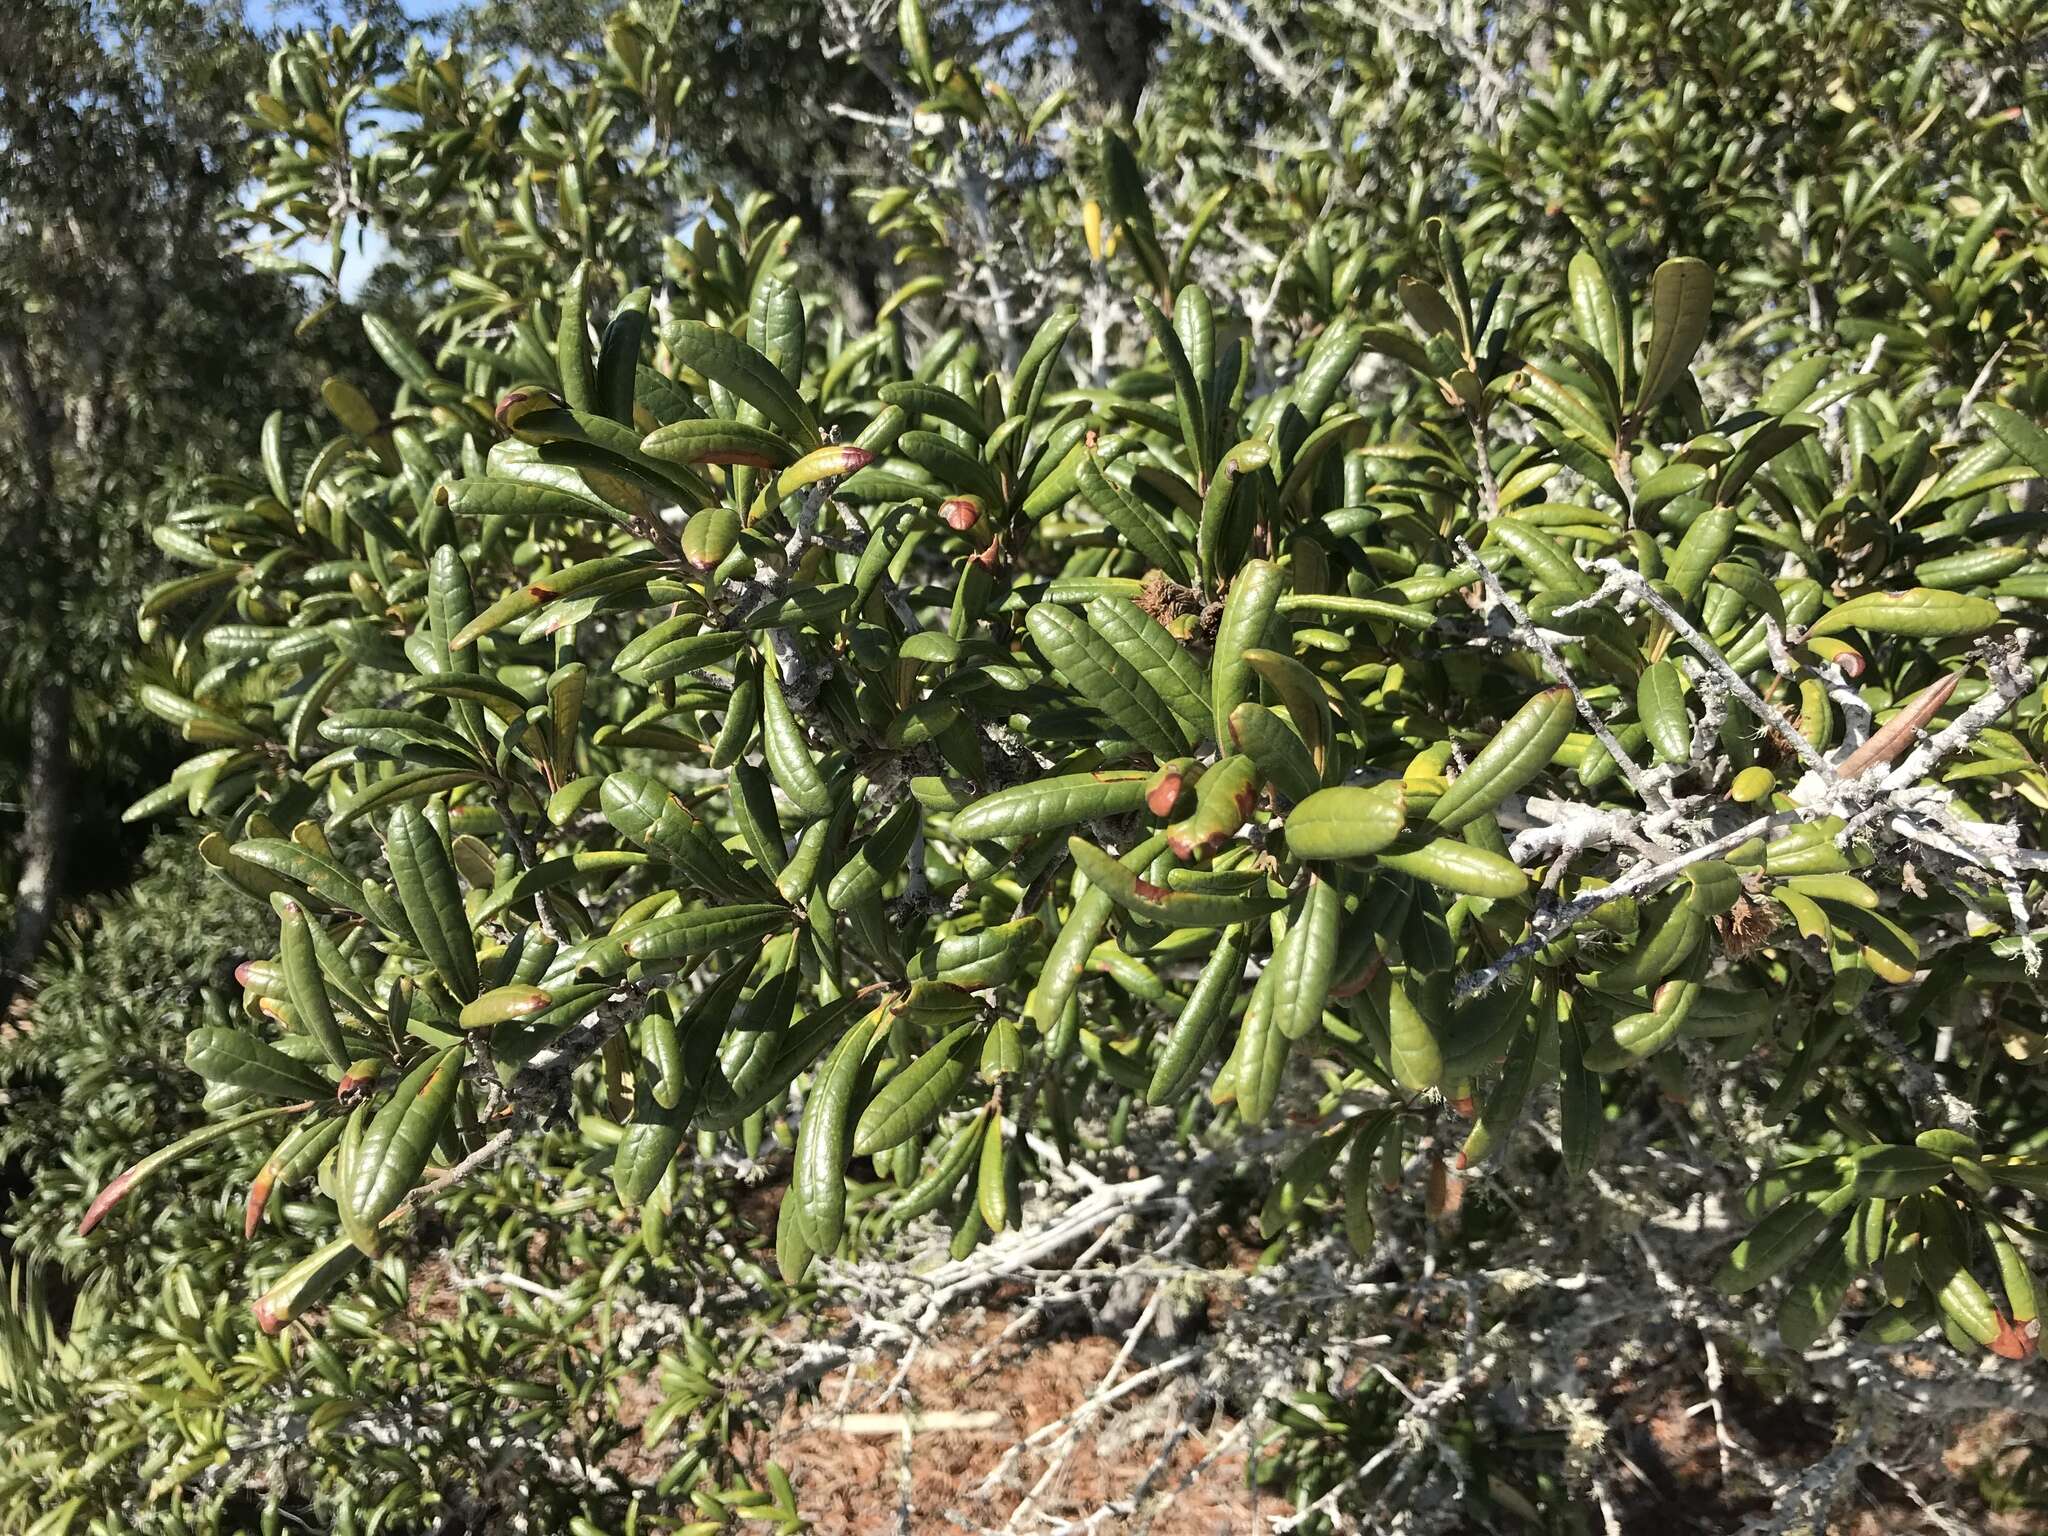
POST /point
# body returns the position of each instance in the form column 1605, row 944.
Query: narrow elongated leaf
column 916, row 1096
column 824, row 1141
column 1924, row 613
column 1347, row 821
column 1660, row 705
column 1459, row 868
column 1248, row 615
column 1779, row 1239
column 304, row 981
column 689, row 935
column 1272, row 744
column 1199, row 1026
column 239, row 1060
column 400, row 1138
column 130, row 1179
column 1067, row 960
column 1681, row 298
column 1047, row 805
column 1521, row 750
column 717, row 441
column 1187, row 395
column 726, row 360
column 1305, row 959
column 1157, row 904
column 1261, row 1055
column 1159, row 659
column 2026, row 440
column 431, row 897
column 1099, row 675
column 789, row 754
column 952, row 466
column 1140, row 527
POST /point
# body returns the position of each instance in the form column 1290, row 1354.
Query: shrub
column 1376, row 657
column 129, row 1370
column 94, row 1075
column 860, row 768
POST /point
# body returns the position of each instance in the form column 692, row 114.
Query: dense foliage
column 134, row 345
column 1474, row 649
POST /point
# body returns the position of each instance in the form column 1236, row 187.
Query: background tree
column 130, row 339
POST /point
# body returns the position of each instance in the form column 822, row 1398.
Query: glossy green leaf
column 1049, row 804
column 1097, row 673
column 726, row 360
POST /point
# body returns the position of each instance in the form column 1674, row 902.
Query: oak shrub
column 672, row 715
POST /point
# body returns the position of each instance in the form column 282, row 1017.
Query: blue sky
column 362, row 253
column 291, row 13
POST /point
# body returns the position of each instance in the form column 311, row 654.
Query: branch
column 1537, row 641
column 1622, row 580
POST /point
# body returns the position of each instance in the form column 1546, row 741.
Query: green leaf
column 1104, row 679
column 917, row 398
column 431, row 897
column 1518, row 752
column 502, row 1005
column 1681, row 299
column 133, row 1178
column 1249, row 612
column 1156, row 904
column 1162, row 661
column 1046, row 805
column 1459, row 868
column 690, row 935
column 395, row 1146
column 1067, row 960
column 2024, row 437
column 1302, row 1178
column 876, row 859
column 957, row 470
column 1187, row 395
column 976, row 960
column 915, row 1096
column 1261, row 1054
column 1779, row 1239
column 1580, row 1113
column 403, row 358
column 306, row 1284
column 824, row 1141
column 608, row 573
column 324, row 880
column 1597, row 316
column 238, row 1060
column 1035, row 368
column 1308, row 706
column 1347, row 822
column 717, row 441
column 1220, row 535
column 572, row 343
column 1272, row 744
column 775, row 325
column 726, row 360
column 1199, row 1025
column 1923, row 613
column 1140, row 527
column 618, row 360
column 275, row 468
column 789, row 753
column 306, row 986
column 1305, row 959
column 1660, row 705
